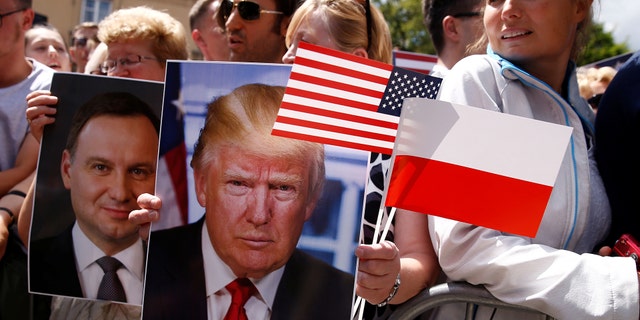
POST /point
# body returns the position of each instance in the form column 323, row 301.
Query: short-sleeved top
column 13, row 122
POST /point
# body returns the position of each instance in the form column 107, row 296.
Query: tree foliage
column 405, row 23
column 600, row 45
column 408, row 32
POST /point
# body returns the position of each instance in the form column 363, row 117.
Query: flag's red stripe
column 337, row 85
column 344, row 56
column 414, row 56
column 425, row 71
column 340, row 143
column 337, row 129
column 338, row 115
column 467, row 195
column 176, row 162
column 343, row 71
column 331, row 99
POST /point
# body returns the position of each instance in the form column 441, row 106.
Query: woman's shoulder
column 477, row 63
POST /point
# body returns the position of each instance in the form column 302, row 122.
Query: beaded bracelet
column 393, row 292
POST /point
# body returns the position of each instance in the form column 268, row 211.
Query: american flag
column 418, row 62
column 341, row 99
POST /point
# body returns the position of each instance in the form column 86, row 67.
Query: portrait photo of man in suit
column 109, row 159
column 240, row 261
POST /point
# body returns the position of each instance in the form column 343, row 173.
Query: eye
column 141, row 173
column 100, row 168
column 39, row 48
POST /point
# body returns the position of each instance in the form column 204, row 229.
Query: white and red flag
column 474, row 165
column 341, row 99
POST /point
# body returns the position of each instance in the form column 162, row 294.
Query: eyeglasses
column 79, row 42
column 10, row 13
column 248, row 10
column 130, row 60
column 467, row 14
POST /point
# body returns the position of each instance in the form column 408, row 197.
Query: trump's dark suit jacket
column 175, row 285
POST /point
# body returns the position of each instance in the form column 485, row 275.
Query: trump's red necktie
column 241, row 290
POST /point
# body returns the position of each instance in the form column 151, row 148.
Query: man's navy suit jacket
column 175, row 285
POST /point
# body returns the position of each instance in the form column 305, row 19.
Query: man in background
column 256, row 32
column 205, row 31
column 83, row 36
column 456, row 30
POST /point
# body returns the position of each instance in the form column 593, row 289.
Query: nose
column 120, row 189
column 290, row 55
column 510, row 10
column 51, row 51
column 234, row 21
column 259, row 207
column 119, row 71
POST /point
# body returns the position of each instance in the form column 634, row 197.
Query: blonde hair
column 168, row 37
column 245, row 117
column 346, row 21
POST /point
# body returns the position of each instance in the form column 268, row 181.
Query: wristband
column 11, row 216
column 17, row 193
column 393, row 292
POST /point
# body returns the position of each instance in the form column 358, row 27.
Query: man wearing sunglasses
column 18, row 76
column 82, row 36
column 256, row 29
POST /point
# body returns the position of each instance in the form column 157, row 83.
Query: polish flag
column 474, row 165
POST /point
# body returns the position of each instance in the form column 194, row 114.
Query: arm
column 12, row 202
column 25, row 164
column 515, row 270
column 414, row 258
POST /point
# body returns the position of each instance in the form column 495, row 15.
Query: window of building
column 95, row 10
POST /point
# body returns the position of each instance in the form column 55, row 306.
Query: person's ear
column 450, row 28
column 200, row 186
column 360, row 52
column 582, row 10
column 27, row 19
column 284, row 24
column 65, row 168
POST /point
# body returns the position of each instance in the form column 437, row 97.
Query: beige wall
column 64, row 14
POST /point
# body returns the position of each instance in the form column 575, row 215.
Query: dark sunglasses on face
column 79, row 42
column 246, row 9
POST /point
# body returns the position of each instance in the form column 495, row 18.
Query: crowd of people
column 240, row 258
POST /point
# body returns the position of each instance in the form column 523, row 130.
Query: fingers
column 378, row 268
column 40, row 111
column 148, row 213
column 605, row 251
column 149, row 201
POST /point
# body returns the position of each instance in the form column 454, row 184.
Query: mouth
column 256, row 242
column 512, row 35
column 54, row 66
column 117, row 213
column 234, row 41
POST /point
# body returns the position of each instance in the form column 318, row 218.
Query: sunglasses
column 248, row 10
